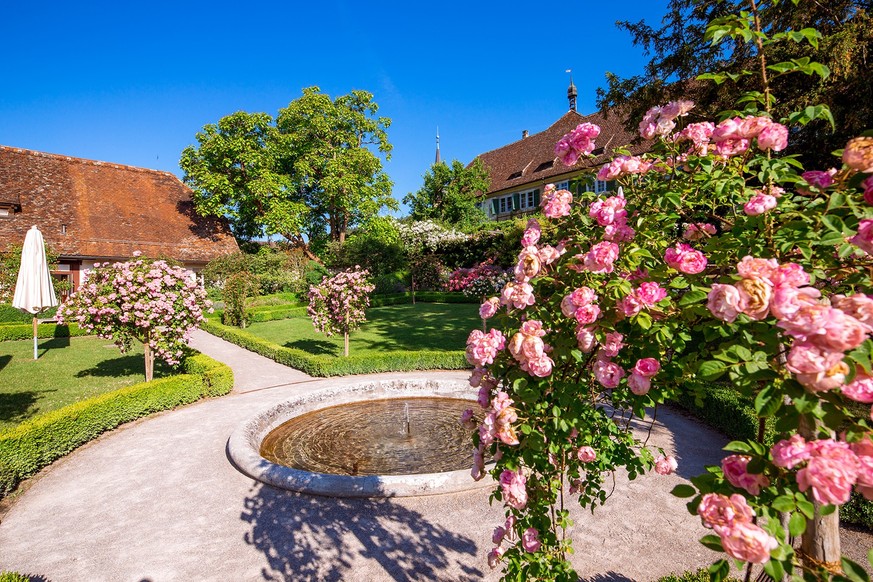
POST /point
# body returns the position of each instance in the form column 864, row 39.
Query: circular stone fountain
column 394, row 438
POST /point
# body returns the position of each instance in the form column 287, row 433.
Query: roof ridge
column 75, row 159
column 533, row 135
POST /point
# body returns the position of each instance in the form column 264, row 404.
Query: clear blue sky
column 132, row 83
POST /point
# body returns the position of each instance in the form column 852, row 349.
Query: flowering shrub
column 479, row 281
column 427, row 235
column 237, row 288
column 147, row 300
column 715, row 261
column 338, row 304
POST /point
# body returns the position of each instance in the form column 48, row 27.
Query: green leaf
column 806, row 508
column 643, row 319
column 797, row 524
column 738, row 447
column 870, row 556
column 834, row 223
column 784, row 503
column 854, row 571
column 682, row 491
column 719, row 570
column 691, row 297
column 768, row 401
column 711, row 370
column 713, row 542
column 774, row 569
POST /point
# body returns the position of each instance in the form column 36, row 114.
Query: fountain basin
column 246, row 443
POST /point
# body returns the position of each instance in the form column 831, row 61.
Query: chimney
column 523, row 134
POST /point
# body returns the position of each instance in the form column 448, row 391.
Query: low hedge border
column 326, row 366
column 36, row 443
column 23, row 331
column 734, row 415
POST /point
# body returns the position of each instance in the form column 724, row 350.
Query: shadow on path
column 318, row 538
column 608, row 577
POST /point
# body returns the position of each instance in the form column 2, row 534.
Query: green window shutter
column 537, row 198
column 494, row 207
column 516, row 204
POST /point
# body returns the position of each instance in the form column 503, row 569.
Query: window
column 565, row 185
column 598, row 187
column 527, row 200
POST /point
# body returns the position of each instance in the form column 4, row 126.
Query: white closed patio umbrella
column 34, row 291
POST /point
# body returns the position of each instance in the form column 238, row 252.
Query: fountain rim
column 243, row 446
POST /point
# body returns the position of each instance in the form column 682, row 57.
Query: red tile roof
column 90, row 209
column 532, row 160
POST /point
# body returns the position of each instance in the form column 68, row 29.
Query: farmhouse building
column 91, row 211
column 520, row 170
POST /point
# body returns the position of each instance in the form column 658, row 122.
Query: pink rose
column 629, row 306
column 747, row 542
column 808, row 358
column 726, row 130
column 601, row 256
column 549, row 254
column 528, row 264
column 786, row 300
column 859, row 306
column 723, row 302
column 639, row 384
column 754, row 298
column 530, row 540
column 731, row 147
column 791, row 452
column 864, row 239
column 586, row 454
column 513, row 484
column 665, row 465
column 858, row 154
column 773, row 137
column 482, row 348
column 751, row 127
column 466, row 419
column 685, row 259
column 556, row 203
column 540, row 366
column 647, row 367
column 494, row 557
column 759, row 204
column 719, row 510
column 868, row 190
column 531, row 234
column 489, row 309
column 818, row 179
column 585, row 338
column 830, row 471
column 612, row 344
column 607, row 373
column 518, row 294
column 734, row 468
column 587, row 314
column 650, row 293
column 497, row 535
column 860, row 389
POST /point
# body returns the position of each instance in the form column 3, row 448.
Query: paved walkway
column 157, row 500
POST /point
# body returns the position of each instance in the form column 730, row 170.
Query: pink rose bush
column 713, row 261
column 146, row 300
column 339, row 303
column 577, row 143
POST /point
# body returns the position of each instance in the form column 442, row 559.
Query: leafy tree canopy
column 450, row 194
column 681, row 51
column 305, row 175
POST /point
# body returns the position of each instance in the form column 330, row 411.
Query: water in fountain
column 375, row 437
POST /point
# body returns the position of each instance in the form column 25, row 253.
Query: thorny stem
column 760, row 44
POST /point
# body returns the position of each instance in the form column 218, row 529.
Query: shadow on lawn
column 15, row 405
column 316, row 538
column 439, row 327
column 130, row 365
column 4, row 361
column 315, row 347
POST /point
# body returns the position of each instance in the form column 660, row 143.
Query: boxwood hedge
column 23, row 331
column 325, row 366
column 34, row 444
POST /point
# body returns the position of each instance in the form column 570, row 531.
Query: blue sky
column 132, row 83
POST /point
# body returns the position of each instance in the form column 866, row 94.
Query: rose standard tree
column 150, row 301
column 338, row 304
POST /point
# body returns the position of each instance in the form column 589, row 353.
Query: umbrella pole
column 35, row 322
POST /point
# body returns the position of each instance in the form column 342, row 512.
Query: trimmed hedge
column 13, row 577
column 701, row 575
column 23, row 331
column 325, row 366
column 420, row 296
column 734, row 415
column 34, row 444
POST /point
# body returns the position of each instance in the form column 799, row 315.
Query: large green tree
column 450, row 194
column 680, row 51
column 308, row 174
column 330, row 147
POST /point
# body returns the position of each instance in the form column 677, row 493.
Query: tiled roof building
column 520, row 170
column 95, row 211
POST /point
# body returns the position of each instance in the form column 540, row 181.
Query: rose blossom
column 751, row 127
column 647, row 367
column 497, row 535
column 608, row 373
column 685, row 259
column 629, row 306
column 531, row 234
column 747, row 542
column 818, row 179
column 808, row 358
column 791, row 452
column 466, row 419
column 773, row 137
column 539, row 367
column 528, row 264
column 754, row 267
column 549, row 254
column 586, row 454
column 639, row 384
column 601, row 256
column 864, row 239
column 585, row 338
column 723, row 302
column 482, row 347
column 868, row 190
column 665, row 465
column 698, row 231
column 734, row 468
column 489, row 308
column 759, row 204
column 860, row 389
column 858, row 154
column 556, row 203
column 518, row 294
column 859, row 306
column 754, row 298
column 650, row 293
column 494, row 557
column 512, row 484
column 719, row 510
column 830, row 471
column 580, row 297
column 530, row 540
column 612, row 344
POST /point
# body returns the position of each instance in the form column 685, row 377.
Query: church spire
column 438, row 160
column 571, row 92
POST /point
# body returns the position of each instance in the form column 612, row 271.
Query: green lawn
column 68, row 370
column 424, row 326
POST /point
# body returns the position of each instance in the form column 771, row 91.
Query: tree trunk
column 149, row 361
column 820, row 544
column 346, row 337
column 298, row 243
